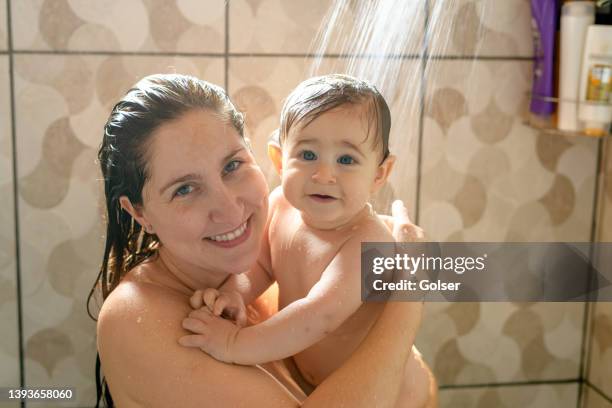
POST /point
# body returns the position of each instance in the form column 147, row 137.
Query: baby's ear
column 382, row 172
column 275, row 154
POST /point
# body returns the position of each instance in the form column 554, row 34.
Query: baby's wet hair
column 317, row 95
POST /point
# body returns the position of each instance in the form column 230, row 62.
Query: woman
column 178, row 176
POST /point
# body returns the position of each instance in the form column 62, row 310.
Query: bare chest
column 300, row 255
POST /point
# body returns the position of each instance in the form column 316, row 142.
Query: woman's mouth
column 232, row 238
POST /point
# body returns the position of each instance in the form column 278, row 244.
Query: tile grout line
column 15, row 198
column 422, row 95
column 587, row 325
column 510, row 384
column 226, row 55
column 598, row 391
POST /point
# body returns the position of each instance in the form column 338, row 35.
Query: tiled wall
column 483, row 174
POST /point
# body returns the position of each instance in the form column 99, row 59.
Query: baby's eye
column 231, row 166
column 346, row 159
column 183, row 190
column 309, row 155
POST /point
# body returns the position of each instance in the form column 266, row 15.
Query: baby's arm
column 302, row 323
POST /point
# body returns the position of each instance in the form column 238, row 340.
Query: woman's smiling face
column 206, row 198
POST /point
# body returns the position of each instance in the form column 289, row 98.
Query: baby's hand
column 227, row 304
column 214, row 335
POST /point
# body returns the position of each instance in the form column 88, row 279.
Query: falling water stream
column 387, row 42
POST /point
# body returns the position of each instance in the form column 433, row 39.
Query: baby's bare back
column 300, row 254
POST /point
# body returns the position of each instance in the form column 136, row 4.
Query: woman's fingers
column 220, row 304
column 196, row 300
column 241, row 318
column 403, row 229
column 210, row 296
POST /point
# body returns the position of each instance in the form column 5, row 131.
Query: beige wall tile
column 3, row 26
column 139, row 25
column 592, row 399
column 9, row 341
column 480, row 27
column 605, row 212
column 600, row 365
column 276, row 26
column 487, row 176
column 60, row 219
column 474, row 343
column 259, row 86
column 527, row 396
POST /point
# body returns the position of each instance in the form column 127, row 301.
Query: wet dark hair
column 123, row 156
column 317, row 95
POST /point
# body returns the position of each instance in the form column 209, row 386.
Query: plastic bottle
column 544, row 18
column 595, row 108
column 576, row 17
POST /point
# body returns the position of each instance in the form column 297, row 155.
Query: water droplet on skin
column 139, row 319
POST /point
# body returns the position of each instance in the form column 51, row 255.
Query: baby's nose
column 324, row 174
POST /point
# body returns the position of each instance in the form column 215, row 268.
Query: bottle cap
column 578, row 8
column 596, row 128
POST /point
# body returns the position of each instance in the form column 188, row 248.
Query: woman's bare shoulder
column 138, row 331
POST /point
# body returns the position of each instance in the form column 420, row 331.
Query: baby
column 332, row 155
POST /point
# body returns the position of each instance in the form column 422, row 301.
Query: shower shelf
column 548, row 126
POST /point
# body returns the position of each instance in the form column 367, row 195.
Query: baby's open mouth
column 322, row 197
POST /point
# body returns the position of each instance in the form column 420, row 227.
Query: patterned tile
column 480, row 27
column 475, row 343
column 605, row 214
column 60, row 197
column 276, row 26
column 3, row 26
column 9, row 341
column 259, row 85
column 524, row 396
column 115, row 25
column 487, row 177
column 600, row 369
column 592, row 399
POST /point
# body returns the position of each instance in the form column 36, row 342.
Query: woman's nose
column 227, row 207
column 324, row 174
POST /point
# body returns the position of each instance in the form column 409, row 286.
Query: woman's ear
column 275, row 154
column 382, row 172
column 136, row 212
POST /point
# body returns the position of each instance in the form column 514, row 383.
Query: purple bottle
column 544, row 25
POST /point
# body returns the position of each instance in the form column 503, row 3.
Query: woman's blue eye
column 346, row 159
column 232, row 166
column 183, row 190
column 308, row 155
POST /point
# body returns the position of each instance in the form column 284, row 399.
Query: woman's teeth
column 230, row 235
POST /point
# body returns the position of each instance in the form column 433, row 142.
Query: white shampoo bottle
column 576, row 17
column 595, row 108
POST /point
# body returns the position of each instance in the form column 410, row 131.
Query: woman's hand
column 399, row 223
column 227, row 304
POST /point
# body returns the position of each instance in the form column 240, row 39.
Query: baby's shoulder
column 279, row 205
column 372, row 229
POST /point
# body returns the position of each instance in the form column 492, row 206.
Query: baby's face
column 330, row 167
